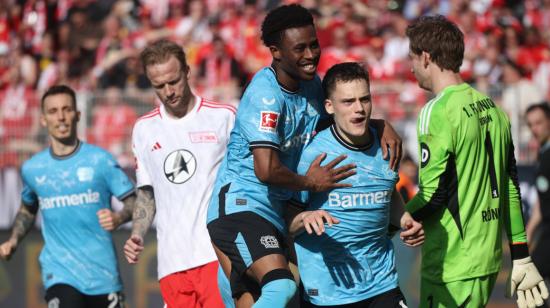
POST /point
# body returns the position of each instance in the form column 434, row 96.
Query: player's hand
column 315, row 221
column 526, row 280
column 132, row 248
column 413, row 233
column 108, row 219
column 389, row 137
column 323, row 178
column 7, row 249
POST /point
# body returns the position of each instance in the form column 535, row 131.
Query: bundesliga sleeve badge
column 268, row 121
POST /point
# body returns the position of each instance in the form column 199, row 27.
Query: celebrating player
column 71, row 183
column 352, row 261
column 178, row 148
column 468, row 181
column 277, row 116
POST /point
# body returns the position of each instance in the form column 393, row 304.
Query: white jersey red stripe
column 151, row 113
column 179, row 158
column 210, row 104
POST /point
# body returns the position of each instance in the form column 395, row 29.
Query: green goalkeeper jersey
column 468, row 185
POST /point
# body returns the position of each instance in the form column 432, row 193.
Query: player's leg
column 110, row 300
column 205, row 279
column 64, row 296
column 178, row 291
column 276, row 280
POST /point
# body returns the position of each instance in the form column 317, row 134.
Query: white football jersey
column 179, row 158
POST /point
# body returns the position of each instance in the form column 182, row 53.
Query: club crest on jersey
column 179, row 166
column 85, row 174
column 425, row 154
column 268, row 121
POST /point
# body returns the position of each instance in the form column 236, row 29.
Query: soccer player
column 352, row 261
column 71, row 183
column 178, row 148
column 468, row 188
column 277, row 116
column 538, row 119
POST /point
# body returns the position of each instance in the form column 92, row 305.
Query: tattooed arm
column 144, row 212
column 21, row 226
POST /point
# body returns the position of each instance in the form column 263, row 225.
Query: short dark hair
column 343, row 72
column 440, row 38
column 58, row 89
column 542, row 106
column 160, row 51
column 282, row 18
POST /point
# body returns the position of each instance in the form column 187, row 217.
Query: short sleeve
column 260, row 121
column 118, row 182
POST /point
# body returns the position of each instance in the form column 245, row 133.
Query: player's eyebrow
column 352, row 99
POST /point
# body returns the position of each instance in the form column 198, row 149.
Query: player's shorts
column 195, row 287
column 541, row 253
column 245, row 237
column 393, row 298
column 473, row 292
column 64, row 295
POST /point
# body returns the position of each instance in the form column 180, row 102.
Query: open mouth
column 359, row 120
column 309, row 68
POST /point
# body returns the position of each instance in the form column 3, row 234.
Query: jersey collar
column 64, row 157
column 348, row 145
column 280, row 85
column 170, row 118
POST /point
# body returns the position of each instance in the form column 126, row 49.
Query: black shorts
column 390, row 299
column 66, row 296
column 245, row 237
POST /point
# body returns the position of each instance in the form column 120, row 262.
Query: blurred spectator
column 112, row 125
column 519, row 92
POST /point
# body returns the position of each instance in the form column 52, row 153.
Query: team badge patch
column 425, row 154
column 85, row 174
column 179, row 166
column 269, row 241
column 268, row 121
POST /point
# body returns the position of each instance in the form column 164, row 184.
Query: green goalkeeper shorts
column 471, row 293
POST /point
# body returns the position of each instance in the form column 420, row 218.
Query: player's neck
column 285, row 80
column 189, row 102
column 444, row 79
column 64, row 147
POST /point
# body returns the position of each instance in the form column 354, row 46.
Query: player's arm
column 298, row 219
column 390, row 138
column 110, row 220
column 24, row 220
column 269, row 169
column 143, row 215
column 412, row 233
column 524, row 277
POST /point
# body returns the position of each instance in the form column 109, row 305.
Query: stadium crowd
column 93, row 46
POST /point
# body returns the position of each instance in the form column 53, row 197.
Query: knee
column 279, row 283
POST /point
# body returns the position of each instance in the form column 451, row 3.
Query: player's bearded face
column 170, row 82
column 299, row 53
column 350, row 103
column 60, row 116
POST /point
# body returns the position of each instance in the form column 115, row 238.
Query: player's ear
column 426, row 59
column 275, row 52
column 43, row 119
column 77, row 116
column 187, row 72
column 329, row 107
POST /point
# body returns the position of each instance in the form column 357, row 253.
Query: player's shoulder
column 152, row 115
column 322, row 141
column 263, row 84
column 216, row 108
column 39, row 158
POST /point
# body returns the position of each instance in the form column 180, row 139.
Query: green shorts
column 471, row 293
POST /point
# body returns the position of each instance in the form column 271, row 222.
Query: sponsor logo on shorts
column 402, row 304
column 425, row 152
column 268, row 121
column 203, row 137
column 54, row 303
column 269, row 241
column 85, row 174
column 179, row 166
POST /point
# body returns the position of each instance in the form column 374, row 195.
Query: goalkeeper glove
column 526, row 280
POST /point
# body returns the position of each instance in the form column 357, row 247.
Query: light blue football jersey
column 268, row 116
column 69, row 191
column 353, row 260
